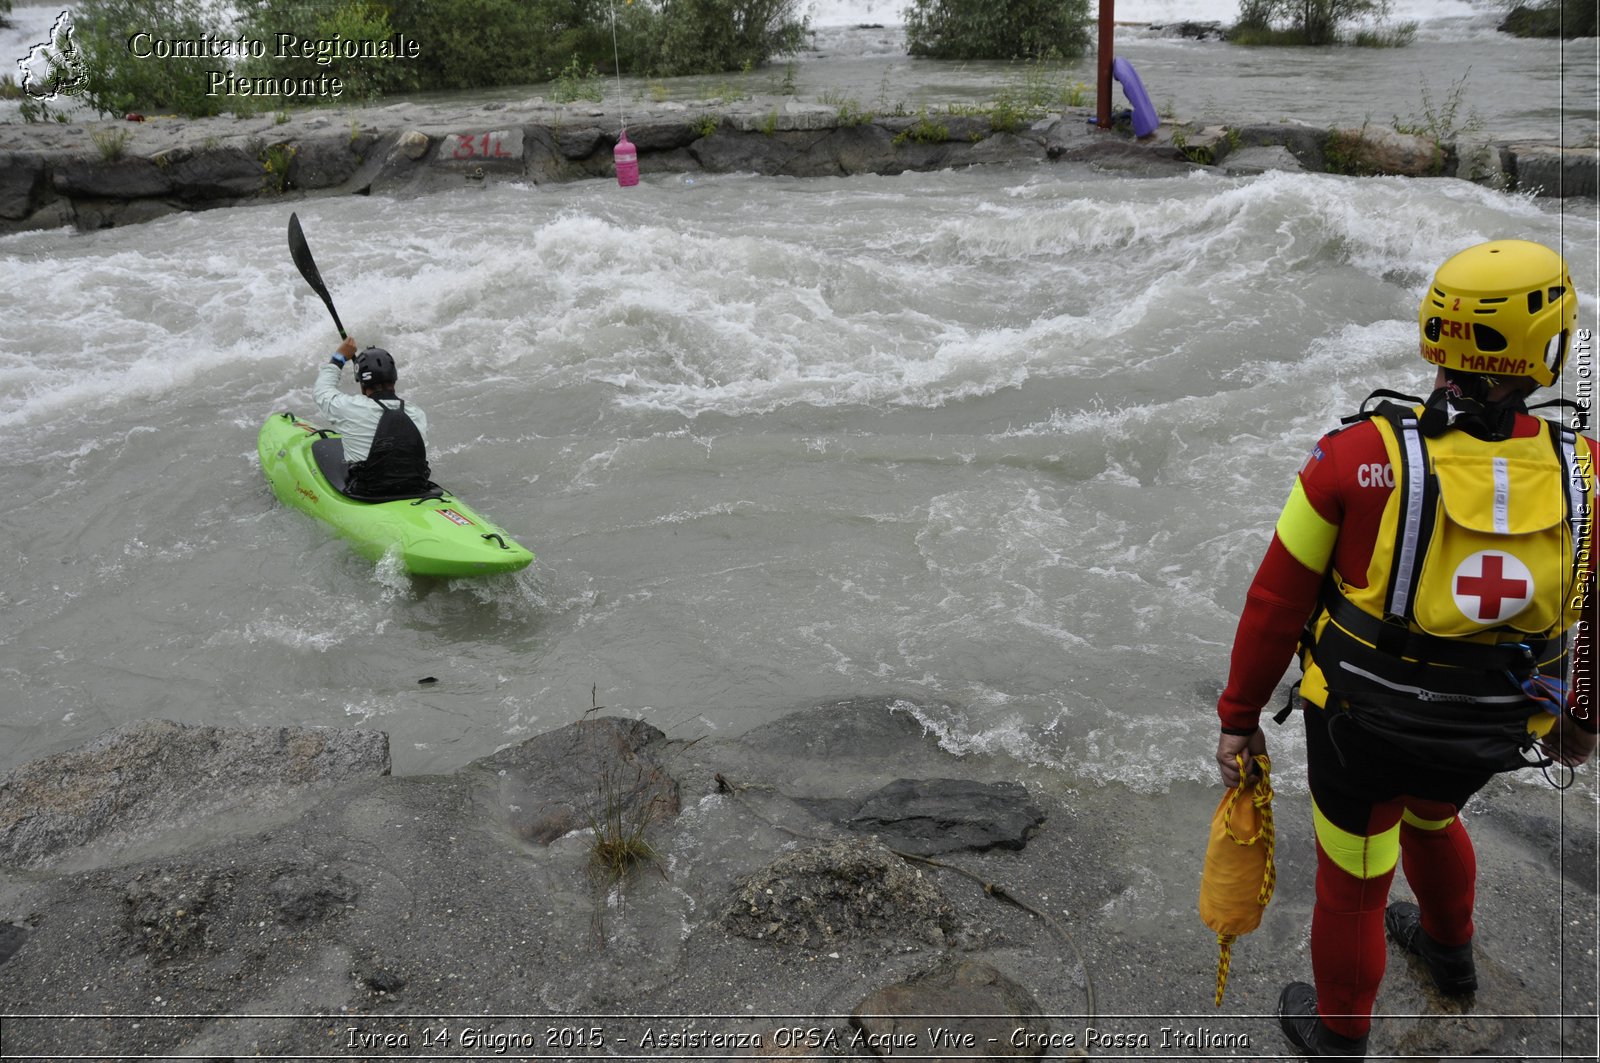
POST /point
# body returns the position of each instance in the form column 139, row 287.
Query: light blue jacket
column 355, row 416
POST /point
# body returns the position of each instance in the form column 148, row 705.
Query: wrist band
column 337, row 360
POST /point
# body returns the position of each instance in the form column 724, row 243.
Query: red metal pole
column 1106, row 47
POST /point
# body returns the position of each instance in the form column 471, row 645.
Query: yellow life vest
column 1474, row 579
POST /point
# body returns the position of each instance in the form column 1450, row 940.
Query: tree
column 1314, row 22
column 672, row 37
column 997, row 29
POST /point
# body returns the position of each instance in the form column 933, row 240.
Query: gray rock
column 222, row 173
column 1303, row 142
column 1546, row 170
column 11, row 939
column 328, row 162
column 929, row 816
column 1261, row 159
column 159, row 778
column 580, row 142
column 121, row 179
column 1386, row 151
column 960, row 1010
column 663, row 135
column 1481, row 163
column 413, row 144
column 587, row 773
column 23, row 183
column 726, row 151
column 827, row 894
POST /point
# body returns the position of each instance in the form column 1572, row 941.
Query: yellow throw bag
column 1239, row 875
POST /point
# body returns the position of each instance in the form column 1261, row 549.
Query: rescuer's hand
column 1568, row 743
column 1228, row 746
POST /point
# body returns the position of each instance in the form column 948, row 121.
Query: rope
column 616, row 59
column 1261, row 797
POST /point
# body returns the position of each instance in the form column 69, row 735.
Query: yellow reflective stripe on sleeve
column 1362, row 856
column 1304, row 533
column 1425, row 824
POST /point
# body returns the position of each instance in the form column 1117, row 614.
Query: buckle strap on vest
column 1396, row 640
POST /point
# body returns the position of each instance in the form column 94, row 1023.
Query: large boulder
column 589, row 774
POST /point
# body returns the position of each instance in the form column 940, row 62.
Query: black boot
column 1450, row 966
column 1297, row 1014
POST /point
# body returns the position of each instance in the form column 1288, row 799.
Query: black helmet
column 375, row 366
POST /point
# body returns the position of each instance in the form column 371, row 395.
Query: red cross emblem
column 1491, row 587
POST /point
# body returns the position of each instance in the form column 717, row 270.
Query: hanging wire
column 616, row 58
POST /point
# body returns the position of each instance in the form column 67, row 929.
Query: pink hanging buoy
column 627, row 160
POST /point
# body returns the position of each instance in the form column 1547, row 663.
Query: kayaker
column 385, row 437
column 1433, row 567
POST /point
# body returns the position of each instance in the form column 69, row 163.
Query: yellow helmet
column 1505, row 308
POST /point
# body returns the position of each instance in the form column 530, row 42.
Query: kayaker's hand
column 1228, row 746
column 347, row 349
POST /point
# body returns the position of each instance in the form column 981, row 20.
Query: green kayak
column 434, row 535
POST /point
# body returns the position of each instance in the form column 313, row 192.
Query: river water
column 1005, row 443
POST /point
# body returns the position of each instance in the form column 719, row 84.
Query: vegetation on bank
column 997, row 29
column 426, row 45
column 1318, row 23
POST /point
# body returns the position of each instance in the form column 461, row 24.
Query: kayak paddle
column 301, row 253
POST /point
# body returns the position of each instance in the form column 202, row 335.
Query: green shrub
column 926, row 131
column 575, row 83
column 351, row 20
column 117, row 80
column 1313, row 22
column 111, row 142
column 666, row 38
column 997, row 29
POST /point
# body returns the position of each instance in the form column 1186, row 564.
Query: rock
column 1571, row 20
column 221, row 173
column 1481, row 163
column 1195, row 31
column 586, row 773
column 119, row 179
column 1303, row 142
column 159, row 778
column 412, row 144
column 580, row 142
column 328, row 162
column 663, row 135
column 1261, row 159
column 729, row 152
column 841, row 891
column 929, row 816
column 11, row 939
column 960, row 1010
column 500, row 148
column 1384, row 151
column 1545, row 170
column 23, row 183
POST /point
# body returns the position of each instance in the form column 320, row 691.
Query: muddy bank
column 102, row 174
column 783, row 913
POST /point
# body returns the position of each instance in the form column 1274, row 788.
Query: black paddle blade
column 300, row 251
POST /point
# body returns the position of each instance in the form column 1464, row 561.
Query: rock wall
column 109, row 173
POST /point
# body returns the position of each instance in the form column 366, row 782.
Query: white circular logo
column 1491, row 587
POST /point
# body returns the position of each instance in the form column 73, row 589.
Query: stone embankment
column 833, row 884
column 101, row 174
